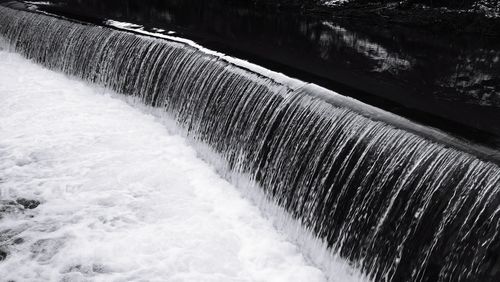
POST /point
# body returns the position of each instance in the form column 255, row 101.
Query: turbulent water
column 398, row 205
column 123, row 196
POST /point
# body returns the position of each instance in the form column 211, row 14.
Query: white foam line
column 278, row 77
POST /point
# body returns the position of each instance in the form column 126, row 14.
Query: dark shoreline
column 434, row 19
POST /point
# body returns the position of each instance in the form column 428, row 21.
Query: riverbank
column 447, row 17
column 437, row 19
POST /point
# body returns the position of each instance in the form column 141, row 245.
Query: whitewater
column 122, row 196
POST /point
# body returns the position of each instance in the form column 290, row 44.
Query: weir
column 399, row 201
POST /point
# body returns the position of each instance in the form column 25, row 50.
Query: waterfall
column 398, row 204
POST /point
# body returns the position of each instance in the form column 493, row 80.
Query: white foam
column 126, row 198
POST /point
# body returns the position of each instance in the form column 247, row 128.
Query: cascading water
column 398, row 205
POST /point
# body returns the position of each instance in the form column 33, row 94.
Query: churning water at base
column 122, row 198
column 395, row 204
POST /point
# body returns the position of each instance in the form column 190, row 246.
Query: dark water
column 447, row 81
column 399, row 206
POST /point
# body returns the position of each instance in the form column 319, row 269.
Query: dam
column 397, row 200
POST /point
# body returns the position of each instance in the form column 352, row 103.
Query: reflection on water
column 455, row 77
column 476, row 77
column 383, row 60
column 467, row 74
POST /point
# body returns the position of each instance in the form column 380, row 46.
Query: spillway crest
column 397, row 205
